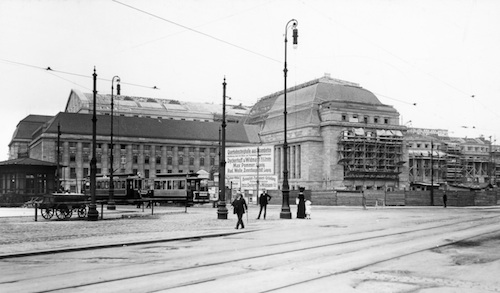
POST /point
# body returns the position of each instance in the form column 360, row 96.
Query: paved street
column 341, row 249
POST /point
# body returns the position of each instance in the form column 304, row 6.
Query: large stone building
column 150, row 136
column 340, row 136
column 435, row 159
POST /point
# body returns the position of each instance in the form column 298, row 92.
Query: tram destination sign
column 243, row 161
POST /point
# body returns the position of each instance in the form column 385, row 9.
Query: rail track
column 258, row 261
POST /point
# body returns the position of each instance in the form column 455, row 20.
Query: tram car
column 126, row 188
column 185, row 188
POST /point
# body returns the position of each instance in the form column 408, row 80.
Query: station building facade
column 340, row 136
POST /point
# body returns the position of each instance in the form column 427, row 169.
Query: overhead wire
column 198, row 32
column 386, row 50
column 50, row 70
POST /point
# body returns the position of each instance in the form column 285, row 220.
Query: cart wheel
column 47, row 213
column 63, row 213
column 82, row 211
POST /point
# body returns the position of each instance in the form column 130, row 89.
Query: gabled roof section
column 28, row 125
column 142, row 127
column 27, row 162
column 79, row 102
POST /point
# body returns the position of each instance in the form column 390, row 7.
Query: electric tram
column 126, row 188
column 181, row 187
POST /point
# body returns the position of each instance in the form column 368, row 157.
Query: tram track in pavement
column 278, row 259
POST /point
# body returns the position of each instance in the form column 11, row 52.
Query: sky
column 436, row 61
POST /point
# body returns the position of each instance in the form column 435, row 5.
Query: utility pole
column 58, row 177
column 221, row 207
column 93, row 214
column 432, row 172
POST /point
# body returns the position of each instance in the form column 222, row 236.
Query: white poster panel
column 233, row 182
column 243, row 160
column 269, row 182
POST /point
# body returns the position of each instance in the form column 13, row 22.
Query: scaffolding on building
column 455, row 172
column 371, row 154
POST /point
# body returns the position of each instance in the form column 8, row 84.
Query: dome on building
column 303, row 101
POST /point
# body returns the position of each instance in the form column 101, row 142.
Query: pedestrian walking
column 239, row 208
column 263, row 201
column 445, row 199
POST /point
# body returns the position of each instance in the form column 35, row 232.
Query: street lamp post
column 111, row 201
column 285, row 207
column 221, row 207
column 93, row 214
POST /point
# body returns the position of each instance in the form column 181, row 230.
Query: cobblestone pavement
column 24, row 234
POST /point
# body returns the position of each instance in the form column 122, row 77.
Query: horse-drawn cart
column 63, row 205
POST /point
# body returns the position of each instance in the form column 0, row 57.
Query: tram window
column 157, row 184
column 175, row 184
column 169, row 184
column 182, row 184
column 204, row 185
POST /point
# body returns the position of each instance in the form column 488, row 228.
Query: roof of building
column 303, row 100
column 154, row 128
column 28, row 125
column 27, row 162
column 79, row 102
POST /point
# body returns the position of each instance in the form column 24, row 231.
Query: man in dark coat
column 445, row 199
column 239, row 207
column 263, row 201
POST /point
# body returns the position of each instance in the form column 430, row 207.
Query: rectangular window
column 146, row 160
column 181, row 160
column 135, row 159
column 202, row 161
column 386, row 120
column 191, row 161
column 72, row 173
column 169, row 160
column 158, row 160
